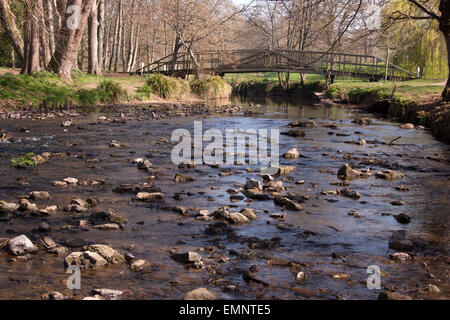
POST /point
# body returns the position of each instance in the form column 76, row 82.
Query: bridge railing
column 342, row 64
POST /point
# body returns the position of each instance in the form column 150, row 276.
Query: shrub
column 87, row 97
column 111, row 92
column 211, row 88
column 144, row 93
column 167, row 87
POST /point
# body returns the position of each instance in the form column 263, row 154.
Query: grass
column 46, row 89
column 167, row 87
column 211, row 88
column 410, row 90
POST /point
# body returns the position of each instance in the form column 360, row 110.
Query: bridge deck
column 249, row 61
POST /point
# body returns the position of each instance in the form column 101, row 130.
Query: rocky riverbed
column 106, row 197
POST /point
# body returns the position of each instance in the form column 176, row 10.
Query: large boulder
column 21, row 245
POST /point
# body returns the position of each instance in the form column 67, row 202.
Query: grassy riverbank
column 418, row 101
column 47, row 90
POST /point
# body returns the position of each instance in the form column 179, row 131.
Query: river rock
column 146, row 196
column 303, row 124
column 85, row 259
column 55, row 295
column 75, row 208
column 71, row 181
column 350, row 194
column 67, row 123
column 144, row 165
column 21, row 245
column 274, row 186
column 294, row 133
column 109, row 254
column 218, row 228
column 363, row 121
column 292, row 154
column 49, row 210
column 40, row 195
column 253, row 184
column 44, row 227
column 139, row 265
column 407, row 126
column 180, row 209
column 389, row 175
column 186, row 258
column 288, row 204
column 249, row 213
column 387, row 295
column 432, row 288
column 200, row 294
column 400, row 257
column 6, row 207
column 236, row 218
column 182, row 178
column 107, row 227
column 25, row 205
column 256, row 194
column 109, row 215
column 402, row 218
column 114, row 144
column 109, row 293
column 287, row 170
column 79, row 202
column 348, row 173
column 402, row 241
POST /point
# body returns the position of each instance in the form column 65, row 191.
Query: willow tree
column 432, row 10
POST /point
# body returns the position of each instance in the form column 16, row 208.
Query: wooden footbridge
column 249, row 61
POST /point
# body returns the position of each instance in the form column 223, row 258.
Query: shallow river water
column 323, row 239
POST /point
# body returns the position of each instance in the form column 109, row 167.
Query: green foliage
column 87, row 97
column 39, row 90
column 211, row 88
column 144, row 93
column 167, row 87
column 76, row 74
column 106, row 92
column 26, row 160
column 111, row 92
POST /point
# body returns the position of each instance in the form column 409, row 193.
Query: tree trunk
column 114, row 42
column 101, row 32
column 446, row 92
column 69, row 40
column 51, row 9
column 444, row 26
column 8, row 21
column 32, row 39
column 43, row 32
column 93, row 66
column 119, row 37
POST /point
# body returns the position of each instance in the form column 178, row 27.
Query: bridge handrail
column 167, row 62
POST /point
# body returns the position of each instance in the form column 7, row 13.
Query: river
column 323, row 240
